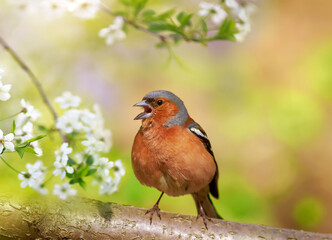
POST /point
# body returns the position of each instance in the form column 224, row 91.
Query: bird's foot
column 202, row 214
column 154, row 209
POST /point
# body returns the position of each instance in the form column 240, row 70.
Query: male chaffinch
column 172, row 153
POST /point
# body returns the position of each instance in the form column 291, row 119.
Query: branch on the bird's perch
column 90, row 219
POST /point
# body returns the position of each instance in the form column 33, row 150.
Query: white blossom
column 56, row 8
column 79, row 157
column 34, row 144
column 244, row 29
column 88, row 120
column 4, row 90
column 119, row 169
column 6, row 142
column 34, row 176
column 232, row 4
column 93, row 145
column 110, row 185
column 84, row 8
column 29, row 110
column 53, row 8
column 217, row 14
column 31, row 6
column 103, row 166
column 113, row 32
column 61, row 168
column 99, row 131
column 64, row 190
column 36, row 148
column 25, row 133
column 63, row 152
column 29, row 113
column 70, row 121
column 68, row 100
column 242, row 16
column 26, row 129
column 106, row 136
column 60, row 164
column 93, row 125
column 41, row 189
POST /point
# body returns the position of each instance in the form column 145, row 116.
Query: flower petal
column 9, row 137
column 10, row 146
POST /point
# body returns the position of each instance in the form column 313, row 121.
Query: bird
column 172, row 153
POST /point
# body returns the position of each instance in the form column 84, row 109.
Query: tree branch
column 33, row 78
column 90, row 219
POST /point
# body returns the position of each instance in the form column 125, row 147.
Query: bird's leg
column 155, row 208
column 201, row 212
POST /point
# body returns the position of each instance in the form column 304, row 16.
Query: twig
column 10, row 166
column 10, row 116
column 139, row 27
column 34, row 79
column 163, row 38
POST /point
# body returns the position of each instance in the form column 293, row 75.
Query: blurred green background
column 266, row 104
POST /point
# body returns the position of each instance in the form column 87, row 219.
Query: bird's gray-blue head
column 163, row 106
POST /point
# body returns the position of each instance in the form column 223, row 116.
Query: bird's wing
column 196, row 129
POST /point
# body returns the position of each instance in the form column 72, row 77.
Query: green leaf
column 159, row 26
column 24, row 148
column 42, row 128
column 82, row 183
column 83, row 171
column 163, row 26
column 89, row 160
column 20, row 151
column 204, row 27
column 139, row 6
column 27, row 142
column 148, row 14
column 35, row 138
column 70, row 175
column 164, row 16
column 30, row 150
column 227, row 30
column 22, row 145
column 180, row 16
column 71, row 161
column 13, row 126
column 73, row 181
column 90, row 172
column 127, row 3
column 184, row 19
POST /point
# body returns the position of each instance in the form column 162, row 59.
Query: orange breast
column 173, row 160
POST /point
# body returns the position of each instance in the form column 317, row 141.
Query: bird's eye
column 159, row 102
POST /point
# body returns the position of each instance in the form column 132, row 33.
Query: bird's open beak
column 147, row 110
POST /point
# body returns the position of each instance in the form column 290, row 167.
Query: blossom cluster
column 114, row 31
column 84, row 9
column 222, row 19
column 239, row 11
column 83, row 129
column 4, row 88
column 24, row 126
column 86, row 129
column 5, row 140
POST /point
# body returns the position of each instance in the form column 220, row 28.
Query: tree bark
column 80, row 218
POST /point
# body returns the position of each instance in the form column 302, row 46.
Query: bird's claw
column 154, row 209
column 204, row 217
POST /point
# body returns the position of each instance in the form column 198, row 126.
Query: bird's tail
column 207, row 205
